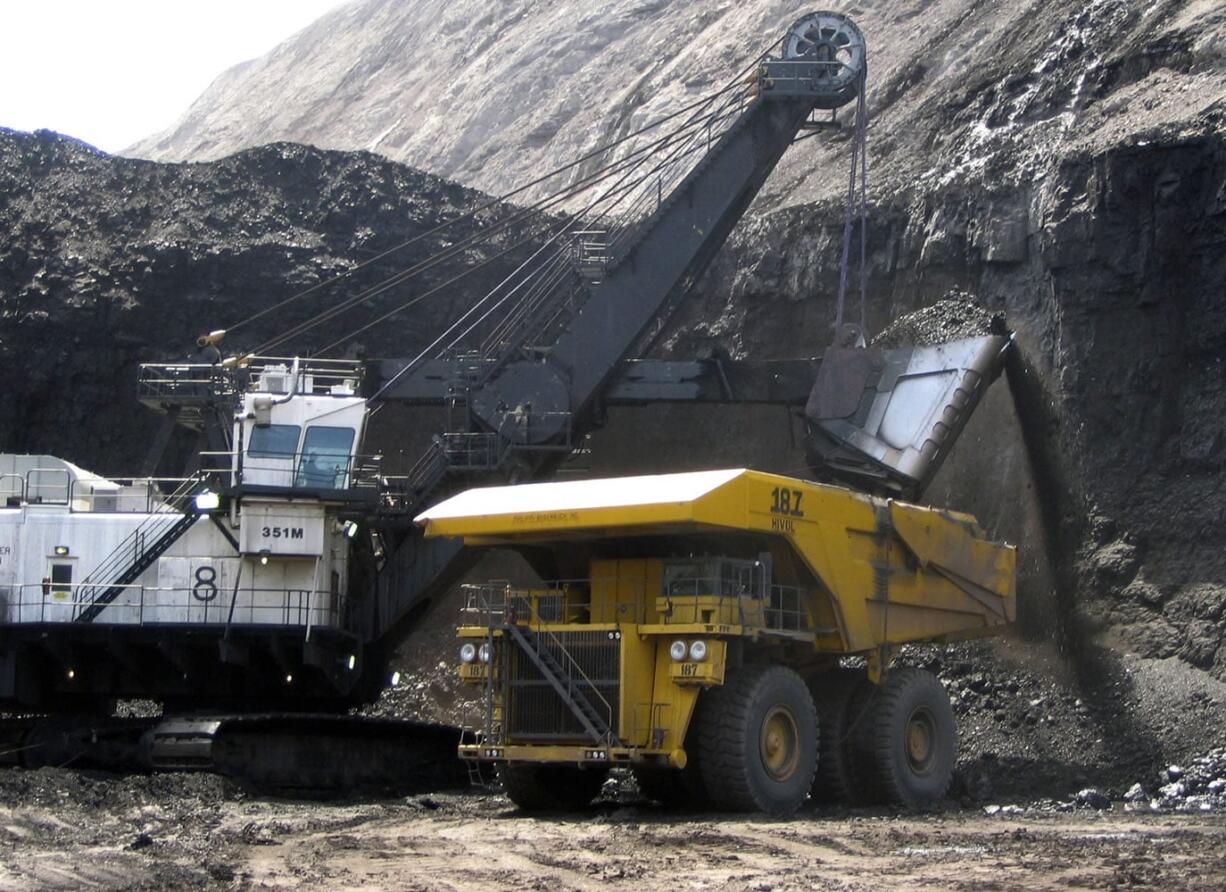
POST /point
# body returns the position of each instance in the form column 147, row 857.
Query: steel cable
column 332, row 313
column 434, row 260
column 857, row 206
column 629, row 188
column 493, row 202
column 613, row 193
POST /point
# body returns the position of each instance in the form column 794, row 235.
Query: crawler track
column 311, row 756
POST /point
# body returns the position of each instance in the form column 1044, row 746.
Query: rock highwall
column 493, row 93
column 1104, row 455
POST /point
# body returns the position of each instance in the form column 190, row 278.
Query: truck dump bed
column 873, row 571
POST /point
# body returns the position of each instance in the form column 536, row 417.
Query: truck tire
column 909, row 757
column 832, row 695
column 859, row 760
column 537, row 787
column 757, row 741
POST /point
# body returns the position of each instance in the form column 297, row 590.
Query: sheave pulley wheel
column 835, row 46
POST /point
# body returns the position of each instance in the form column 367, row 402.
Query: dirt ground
column 61, row 829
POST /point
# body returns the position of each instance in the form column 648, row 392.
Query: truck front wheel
column 536, row 787
column 671, row 787
column 757, row 741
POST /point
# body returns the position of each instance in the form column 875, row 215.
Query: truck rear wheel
column 757, row 741
column 832, row 693
column 909, row 758
column 537, row 787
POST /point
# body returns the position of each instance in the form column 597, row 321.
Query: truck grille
column 535, row 711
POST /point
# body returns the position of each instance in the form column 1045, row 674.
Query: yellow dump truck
column 696, row 632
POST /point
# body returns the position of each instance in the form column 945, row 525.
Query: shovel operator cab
column 698, row 633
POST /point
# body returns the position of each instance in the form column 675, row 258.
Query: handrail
column 103, row 577
column 36, row 497
column 20, row 494
column 150, row 499
column 782, row 607
column 489, row 610
column 343, row 471
column 212, row 381
column 475, row 450
column 149, row 605
column 161, row 522
column 512, row 596
column 428, row 470
column 610, row 736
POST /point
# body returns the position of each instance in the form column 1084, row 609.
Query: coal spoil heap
column 958, row 315
column 109, row 262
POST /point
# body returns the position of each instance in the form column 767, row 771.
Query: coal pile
column 1198, row 789
column 429, row 688
column 428, row 692
column 1024, row 731
column 108, row 262
column 91, row 790
column 1037, row 727
column 958, row 315
column 1201, row 786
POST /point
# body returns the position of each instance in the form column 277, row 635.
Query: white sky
column 113, row 71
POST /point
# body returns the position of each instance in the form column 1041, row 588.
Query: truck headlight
column 698, row 651
column 677, row 651
column 483, row 653
column 468, row 652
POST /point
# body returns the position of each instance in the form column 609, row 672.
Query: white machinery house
column 260, row 541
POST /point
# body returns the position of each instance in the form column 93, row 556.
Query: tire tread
column 893, row 693
column 832, row 693
column 537, row 787
column 724, row 761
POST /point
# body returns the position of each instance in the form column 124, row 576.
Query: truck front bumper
column 572, row 755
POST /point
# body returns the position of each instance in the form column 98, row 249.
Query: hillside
column 491, row 94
